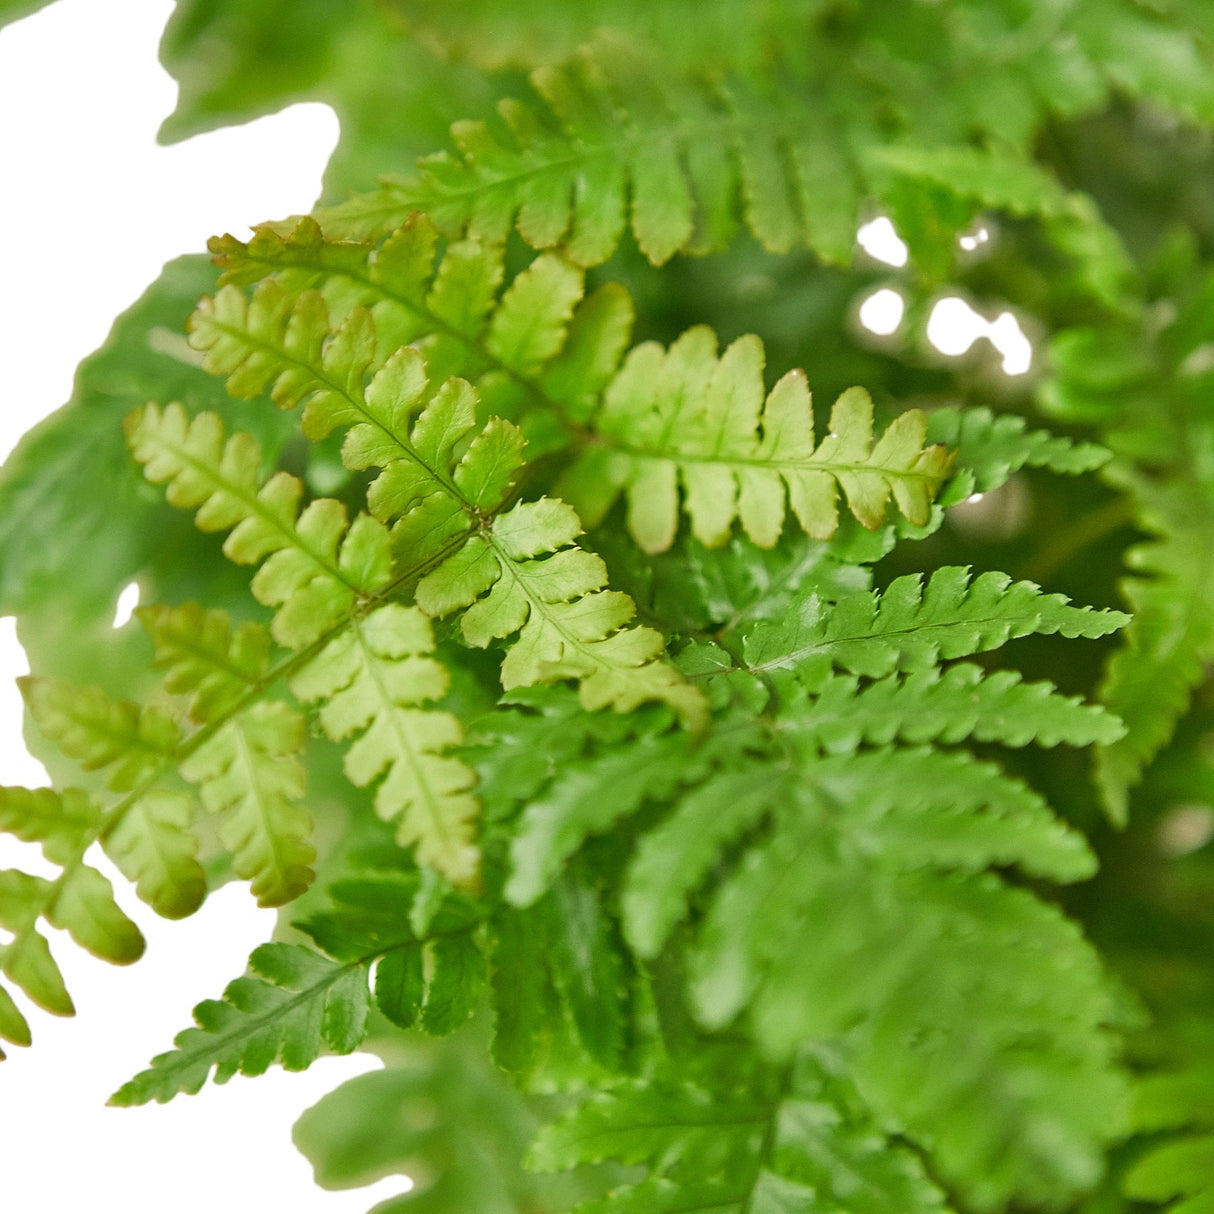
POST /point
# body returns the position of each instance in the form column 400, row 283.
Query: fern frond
column 615, row 138
column 439, row 467
column 205, row 657
column 248, row 770
column 923, row 805
column 293, row 1002
column 812, row 1145
column 946, row 706
column 685, row 416
column 610, row 142
column 79, row 901
column 993, row 446
column 102, row 733
column 317, row 565
column 538, row 346
column 440, row 479
column 370, row 681
column 370, row 672
column 955, row 962
column 250, row 774
column 148, row 835
column 912, row 625
column 540, row 585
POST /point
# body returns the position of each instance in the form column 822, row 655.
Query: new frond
column 526, row 576
column 684, row 422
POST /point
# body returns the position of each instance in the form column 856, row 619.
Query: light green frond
column 80, row 901
column 439, row 466
column 315, row 564
column 913, row 625
column 293, row 1002
column 371, row 681
column 205, row 657
column 148, row 834
column 535, row 346
column 100, row 732
column 249, row 773
column 151, row 842
column 525, row 575
column 686, row 419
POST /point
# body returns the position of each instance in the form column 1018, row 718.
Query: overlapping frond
column 615, row 139
column 526, row 576
column 956, row 963
column 684, row 419
column 79, row 901
column 829, row 789
column 537, row 342
column 755, row 1147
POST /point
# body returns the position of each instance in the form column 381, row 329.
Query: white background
column 89, row 210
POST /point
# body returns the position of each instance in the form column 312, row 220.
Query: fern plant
column 657, row 704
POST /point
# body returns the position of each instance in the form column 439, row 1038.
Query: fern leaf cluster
column 688, row 797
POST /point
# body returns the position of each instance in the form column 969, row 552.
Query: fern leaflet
column 148, row 835
column 686, row 416
column 317, row 565
column 369, row 681
column 80, row 901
